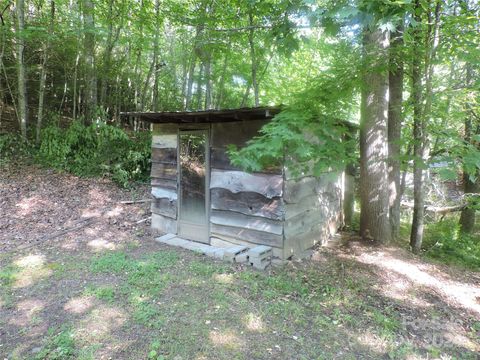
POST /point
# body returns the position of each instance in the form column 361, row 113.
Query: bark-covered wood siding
column 245, row 208
column 313, row 211
column 164, row 178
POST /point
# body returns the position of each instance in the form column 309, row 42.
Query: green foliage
column 153, row 354
column 7, row 276
column 59, row 346
column 106, row 293
column 13, row 147
column 96, row 150
column 444, row 241
column 313, row 133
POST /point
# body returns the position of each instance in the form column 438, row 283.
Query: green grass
column 58, row 346
column 105, row 293
column 193, row 307
column 444, row 242
column 7, row 276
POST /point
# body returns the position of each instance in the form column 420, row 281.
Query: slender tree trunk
column 395, row 127
column 21, row 78
column 221, row 85
column 254, row 62
column 467, row 217
column 112, row 38
column 416, row 235
column 199, row 87
column 208, row 83
column 90, row 71
column 43, row 75
column 374, row 215
column 155, row 57
column 420, row 147
column 191, row 75
column 75, row 87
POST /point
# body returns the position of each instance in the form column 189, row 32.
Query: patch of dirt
column 41, row 207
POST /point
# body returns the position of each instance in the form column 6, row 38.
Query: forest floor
column 81, row 279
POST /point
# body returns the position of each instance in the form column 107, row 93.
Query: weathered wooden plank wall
column 246, row 208
column 164, row 178
column 313, row 211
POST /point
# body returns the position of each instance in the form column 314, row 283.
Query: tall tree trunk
column 112, row 38
column 221, row 84
column 395, row 127
column 208, row 83
column 199, row 87
column 374, row 215
column 21, row 78
column 191, row 76
column 254, row 63
column 420, row 116
column 155, row 57
column 43, row 75
column 90, row 71
column 467, row 217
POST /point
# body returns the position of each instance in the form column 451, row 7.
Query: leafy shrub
column 96, row 150
column 12, row 146
column 445, row 242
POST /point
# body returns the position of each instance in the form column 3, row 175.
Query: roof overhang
column 206, row 116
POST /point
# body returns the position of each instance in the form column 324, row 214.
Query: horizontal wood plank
column 164, row 141
column 248, row 203
column 164, row 207
column 164, row 183
column 253, row 236
column 162, row 193
column 164, row 171
column 230, row 218
column 267, row 185
column 164, row 155
column 165, row 129
column 237, row 133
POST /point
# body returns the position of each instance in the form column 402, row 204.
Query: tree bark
column 395, row 119
column 374, row 215
column 155, row 57
column 208, row 83
column 43, row 75
column 467, row 217
column 416, row 235
column 254, row 63
column 21, row 77
column 90, row 71
column 420, row 147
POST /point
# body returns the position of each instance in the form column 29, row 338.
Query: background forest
column 406, row 71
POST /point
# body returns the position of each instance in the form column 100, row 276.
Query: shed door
column 193, row 160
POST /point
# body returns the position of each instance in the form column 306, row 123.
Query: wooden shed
column 199, row 195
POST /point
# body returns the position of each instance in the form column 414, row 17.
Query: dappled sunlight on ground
column 371, row 341
column 254, row 322
column 26, row 311
column 99, row 323
column 457, row 293
column 223, row 278
column 226, row 339
column 28, row 205
column 32, row 268
column 79, row 305
column 101, row 245
column 116, row 211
